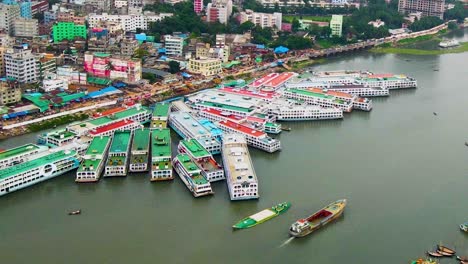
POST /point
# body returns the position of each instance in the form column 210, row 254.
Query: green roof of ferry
column 120, row 141
column 159, row 149
column 191, row 168
column 195, row 148
column 161, row 109
column 18, row 150
column 141, row 139
column 98, row 145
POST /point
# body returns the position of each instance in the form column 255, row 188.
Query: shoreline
column 421, row 52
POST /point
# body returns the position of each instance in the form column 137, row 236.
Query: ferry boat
column 14, row 156
column 449, row 43
column 94, row 160
column 359, row 90
column 117, row 159
column 187, row 126
column 42, row 166
column 161, row 159
column 255, row 138
column 262, row 216
column 240, row 174
column 317, row 97
column 357, row 102
column 139, row 154
column 64, row 137
column 212, row 128
column 298, row 112
column 210, row 169
column 160, row 115
column 109, row 129
column 303, row 227
column 191, row 176
column 180, row 106
column 388, row 81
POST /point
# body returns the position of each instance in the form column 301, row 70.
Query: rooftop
column 310, row 92
column 161, row 144
column 238, row 160
column 192, row 169
column 191, row 124
column 141, row 140
column 243, row 129
column 109, row 111
column 57, row 134
column 98, row 145
column 28, row 165
column 244, row 92
column 18, row 150
column 264, row 79
column 280, row 79
column 214, row 130
column 161, row 109
column 334, row 93
column 120, row 141
column 111, row 127
column 195, row 148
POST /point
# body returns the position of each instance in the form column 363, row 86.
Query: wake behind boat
column 303, row 227
column 262, row 216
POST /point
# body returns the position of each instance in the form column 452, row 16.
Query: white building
column 336, row 25
column 21, row 64
column 173, row 2
column 52, row 82
column 377, row 23
column 8, row 14
column 174, row 45
column 219, row 11
column 262, row 19
column 24, row 27
column 128, row 22
column 71, row 75
column 205, row 67
column 120, row 3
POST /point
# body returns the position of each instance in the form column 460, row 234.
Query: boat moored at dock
column 191, row 176
column 160, row 115
column 240, row 174
column 316, row 97
column 262, row 216
column 93, row 161
column 117, row 158
column 139, row 154
column 210, row 169
column 161, row 159
column 14, row 156
column 388, row 81
column 303, row 227
column 291, row 111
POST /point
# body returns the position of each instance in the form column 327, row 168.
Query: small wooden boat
column 262, row 216
column 77, row 212
column 445, row 249
column 466, row 143
column 435, row 113
column 435, row 254
column 462, row 258
column 444, row 254
column 286, row 129
column 464, row 226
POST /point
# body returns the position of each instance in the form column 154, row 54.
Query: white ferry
column 15, row 156
column 255, row 138
column 388, row 81
column 139, row 154
column 161, row 165
column 94, row 160
column 62, row 137
column 41, row 167
column 240, row 174
column 210, row 169
column 359, row 90
column 449, row 43
column 191, row 175
column 298, row 112
column 179, row 105
column 317, row 97
column 117, row 159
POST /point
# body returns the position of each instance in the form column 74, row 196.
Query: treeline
column 58, row 121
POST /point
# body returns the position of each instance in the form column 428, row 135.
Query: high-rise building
column 219, row 11
column 128, row 22
column 25, row 9
column 68, row 30
column 205, row 67
column 198, row 6
column 8, row 14
column 20, row 64
column 173, row 45
column 336, row 25
column 104, row 65
column 24, row 27
column 262, row 19
column 426, row 7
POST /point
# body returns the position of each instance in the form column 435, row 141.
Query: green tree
column 174, row 67
column 296, row 25
column 140, row 53
column 425, row 23
column 149, row 76
column 452, row 25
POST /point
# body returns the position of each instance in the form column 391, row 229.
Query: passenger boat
column 191, row 175
column 161, row 165
column 139, row 154
column 117, row 158
column 449, row 43
column 77, row 212
column 208, row 166
column 445, row 249
column 435, row 254
column 462, row 258
column 262, row 216
column 93, row 161
column 305, row 226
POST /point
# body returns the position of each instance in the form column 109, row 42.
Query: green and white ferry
column 38, row 168
column 14, row 156
column 139, row 155
column 161, row 159
column 191, row 175
column 160, row 115
column 93, row 161
column 117, row 159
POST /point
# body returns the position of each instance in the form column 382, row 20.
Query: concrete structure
column 52, row 82
column 10, row 92
column 128, row 22
column 8, row 14
column 205, row 51
column 173, row 2
column 46, row 64
column 198, row 6
column 427, row 7
column 25, row 9
column 24, row 27
column 377, row 23
column 2, row 64
column 68, row 30
column 39, row 7
column 128, row 47
column 104, row 65
column 261, row 19
column 103, row 5
column 336, row 25
column 20, row 64
column 70, row 16
column 174, row 45
column 71, row 75
column 219, row 11
column 205, row 67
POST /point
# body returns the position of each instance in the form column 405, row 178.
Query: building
column 46, row 64
column 103, row 65
column 8, row 14
column 51, row 82
column 10, row 91
column 128, row 46
column 174, row 45
column 70, row 16
column 2, row 64
column 103, row 5
column 128, row 22
column 198, row 6
column 25, row 9
column 39, row 7
column 173, row 2
column 377, row 23
column 24, row 27
column 205, row 51
column 166, row 77
column 219, row 11
column 68, row 30
column 71, row 75
column 336, row 25
column 205, row 67
column 262, row 19
column 20, row 64
column 427, row 7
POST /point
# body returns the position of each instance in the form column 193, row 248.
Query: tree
column 174, row 67
column 425, row 23
column 140, row 53
column 246, row 26
column 296, row 25
column 452, row 25
column 149, row 76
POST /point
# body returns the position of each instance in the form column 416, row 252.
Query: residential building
column 10, row 91
column 174, row 45
column 336, row 25
column 206, row 51
column 71, row 74
column 166, row 77
column 20, row 64
column 103, row 65
column 103, row 5
column 128, row 22
column 6, row 40
column 46, row 64
column 261, row 19
column 24, row 27
column 39, row 7
column 205, row 66
column 50, row 16
column 128, row 46
column 173, row 2
column 25, row 9
column 70, row 16
column 377, row 23
column 51, row 82
column 68, row 30
column 120, row 3
column 219, row 11
column 318, row 3
column 198, row 6
column 8, row 14
column 2, row 64
column 427, row 7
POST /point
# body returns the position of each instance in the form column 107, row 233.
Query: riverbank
column 407, row 51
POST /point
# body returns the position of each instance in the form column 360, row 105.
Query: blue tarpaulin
column 140, row 37
column 260, row 46
column 162, row 50
column 281, row 49
column 186, row 75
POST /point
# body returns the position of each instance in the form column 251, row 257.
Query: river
column 402, row 169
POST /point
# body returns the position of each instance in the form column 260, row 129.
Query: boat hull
column 310, row 230
column 249, row 222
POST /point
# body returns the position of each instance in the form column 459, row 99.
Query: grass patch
column 306, row 63
column 324, row 43
column 58, row 121
column 462, row 48
column 290, row 18
column 416, row 39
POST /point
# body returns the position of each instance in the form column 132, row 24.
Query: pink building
column 198, row 6
column 286, row 27
column 103, row 65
